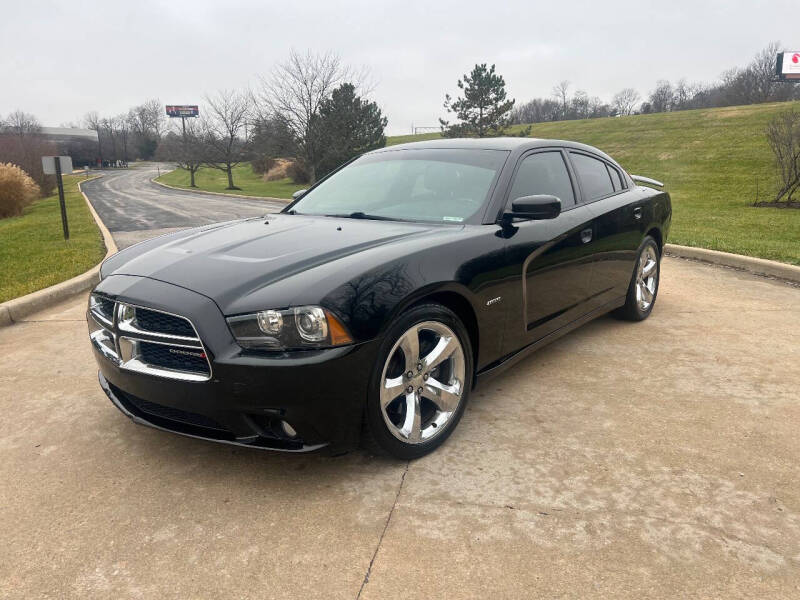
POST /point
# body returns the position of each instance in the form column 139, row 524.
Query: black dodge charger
column 378, row 299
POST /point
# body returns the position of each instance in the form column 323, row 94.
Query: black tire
column 378, row 438
column 632, row 309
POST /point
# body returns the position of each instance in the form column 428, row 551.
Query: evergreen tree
column 346, row 126
column 484, row 109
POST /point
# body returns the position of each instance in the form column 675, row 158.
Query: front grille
column 159, row 322
column 175, row 358
column 146, row 340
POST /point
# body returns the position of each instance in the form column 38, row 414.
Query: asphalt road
column 134, row 208
column 648, row 460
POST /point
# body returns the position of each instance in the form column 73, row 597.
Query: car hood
column 233, row 260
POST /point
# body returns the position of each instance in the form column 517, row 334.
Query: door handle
column 586, row 235
column 637, row 212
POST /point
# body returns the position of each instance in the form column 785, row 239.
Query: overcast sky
column 59, row 60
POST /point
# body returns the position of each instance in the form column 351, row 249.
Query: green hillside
column 712, row 161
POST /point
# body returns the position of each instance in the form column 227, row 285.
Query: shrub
column 297, row 172
column 262, row 164
column 17, row 190
column 278, row 172
column 783, row 136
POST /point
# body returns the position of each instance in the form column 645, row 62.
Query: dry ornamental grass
column 17, row 190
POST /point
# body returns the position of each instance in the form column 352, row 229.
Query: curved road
column 626, row 460
column 134, row 208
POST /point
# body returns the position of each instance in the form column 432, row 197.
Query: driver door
column 552, row 257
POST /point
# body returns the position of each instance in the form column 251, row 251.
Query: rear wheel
column 643, row 288
column 421, row 382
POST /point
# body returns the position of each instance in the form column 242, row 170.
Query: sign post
column 53, row 165
column 183, row 111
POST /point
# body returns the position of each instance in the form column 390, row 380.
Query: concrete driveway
column 657, row 459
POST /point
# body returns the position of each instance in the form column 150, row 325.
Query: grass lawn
column 33, row 253
column 215, row 180
column 711, row 160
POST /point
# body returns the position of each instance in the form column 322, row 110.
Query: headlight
column 292, row 328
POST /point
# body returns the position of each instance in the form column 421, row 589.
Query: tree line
column 750, row 84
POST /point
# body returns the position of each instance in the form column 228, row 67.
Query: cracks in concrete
column 383, row 533
column 572, row 514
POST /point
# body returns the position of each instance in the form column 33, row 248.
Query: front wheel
column 421, row 383
column 643, row 287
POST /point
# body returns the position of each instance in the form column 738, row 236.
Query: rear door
column 606, row 194
column 552, row 256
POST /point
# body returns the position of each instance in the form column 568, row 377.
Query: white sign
column 49, row 165
column 791, row 64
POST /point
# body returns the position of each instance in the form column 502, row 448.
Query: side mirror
column 299, row 194
column 535, row 208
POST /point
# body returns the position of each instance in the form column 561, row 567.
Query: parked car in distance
column 378, row 299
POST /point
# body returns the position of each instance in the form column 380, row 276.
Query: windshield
column 430, row 185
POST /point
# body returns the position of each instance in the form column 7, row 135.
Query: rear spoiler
column 647, row 181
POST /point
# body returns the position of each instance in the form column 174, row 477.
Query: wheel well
column 656, row 235
column 461, row 306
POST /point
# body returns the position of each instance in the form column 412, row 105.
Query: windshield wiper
column 362, row 215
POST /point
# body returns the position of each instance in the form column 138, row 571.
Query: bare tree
column 108, row 127
column 561, row 93
column 762, row 69
column 682, row 95
column 157, row 116
column 223, row 127
column 184, row 148
column 294, row 92
column 94, row 122
column 123, row 130
column 783, row 135
column 21, row 123
column 598, row 108
column 625, row 100
column 662, row 97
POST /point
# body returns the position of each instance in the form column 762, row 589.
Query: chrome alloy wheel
column 422, row 382
column 646, row 278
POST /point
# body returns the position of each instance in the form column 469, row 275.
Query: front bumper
column 320, row 393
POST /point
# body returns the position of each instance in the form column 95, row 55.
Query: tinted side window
column 593, row 175
column 543, row 173
column 616, row 178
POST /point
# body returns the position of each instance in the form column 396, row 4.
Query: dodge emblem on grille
column 187, row 353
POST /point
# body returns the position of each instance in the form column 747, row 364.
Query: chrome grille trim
column 118, row 340
column 130, row 324
column 96, row 308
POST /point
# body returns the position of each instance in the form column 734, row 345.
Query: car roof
column 494, row 143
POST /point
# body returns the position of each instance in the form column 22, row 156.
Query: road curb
column 199, row 191
column 757, row 266
column 17, row 309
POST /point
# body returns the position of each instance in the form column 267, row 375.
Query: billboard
column 788, row 67
column 182, row 110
